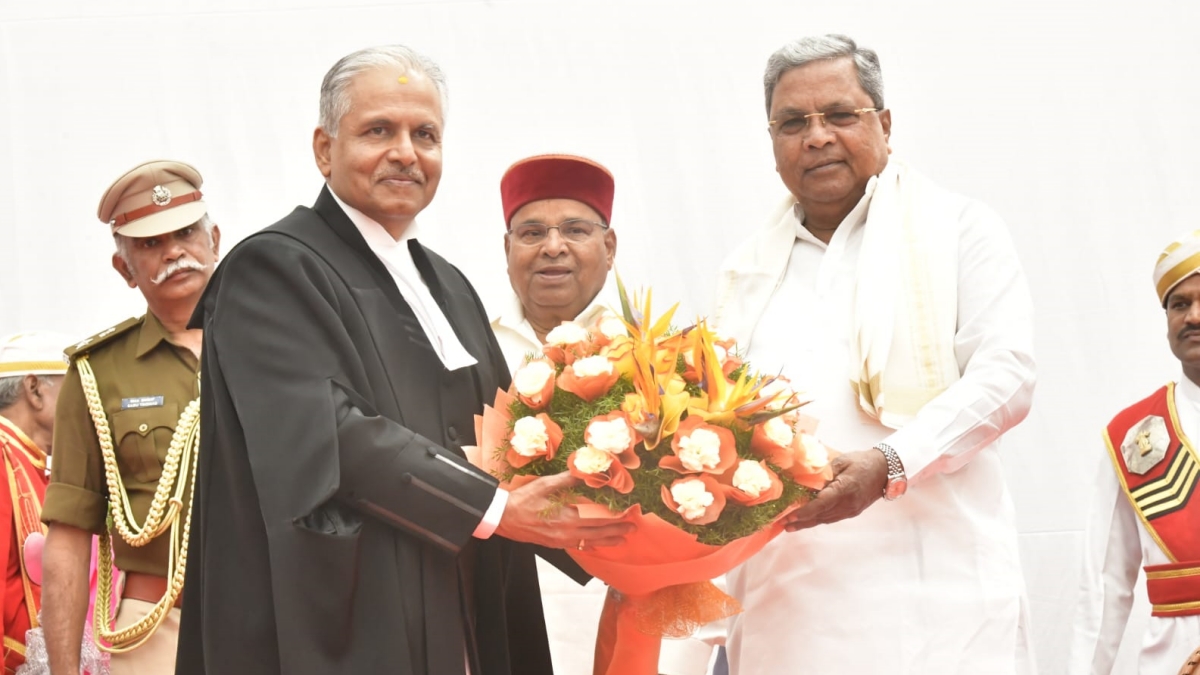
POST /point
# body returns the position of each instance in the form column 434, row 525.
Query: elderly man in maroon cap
column 125, row 431
column 560, row 249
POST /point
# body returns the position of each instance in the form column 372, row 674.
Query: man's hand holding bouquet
column 672, row 432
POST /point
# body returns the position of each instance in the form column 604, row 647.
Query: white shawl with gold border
column 905, row 299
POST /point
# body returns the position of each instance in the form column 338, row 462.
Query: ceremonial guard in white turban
column 31, row 372
column 1145, row 513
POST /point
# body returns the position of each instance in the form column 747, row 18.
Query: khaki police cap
column 152, row 199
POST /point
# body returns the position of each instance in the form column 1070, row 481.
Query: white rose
column 700, row 450
column 529, row 436
column 590, row 460
column 692, row 497
column 751, row 478
column 531, row 377
column 611, row 326
column 567, row 333
column 779, row 431
column 815, row 453
column 592, row 366
column 609, row 435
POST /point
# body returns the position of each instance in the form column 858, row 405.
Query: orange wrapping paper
column 656, row 556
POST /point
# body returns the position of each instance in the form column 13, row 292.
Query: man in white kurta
column 560, row 274
column 1118, row 539
column 885, row 298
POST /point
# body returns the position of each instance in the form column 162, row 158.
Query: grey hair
column 122, row 241
column 825, row 48
column 335, row 101
column 11, row 389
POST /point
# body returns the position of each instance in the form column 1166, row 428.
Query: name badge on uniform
column 141, row 402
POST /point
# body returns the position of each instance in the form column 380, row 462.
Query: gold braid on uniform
column 163, row 514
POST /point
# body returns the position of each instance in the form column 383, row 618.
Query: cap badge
column 160, row 195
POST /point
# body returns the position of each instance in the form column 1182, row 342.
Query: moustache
column 177, row 266
column 410, row 174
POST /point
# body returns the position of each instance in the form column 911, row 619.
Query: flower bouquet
column 670, row 430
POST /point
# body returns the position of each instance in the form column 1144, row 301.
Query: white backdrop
column 1073, row 120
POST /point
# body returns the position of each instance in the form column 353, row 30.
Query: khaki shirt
column 145, row 382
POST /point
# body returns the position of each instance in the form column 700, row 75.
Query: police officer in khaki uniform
column 126, row 432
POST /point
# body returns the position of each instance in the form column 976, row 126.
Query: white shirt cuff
column 491, row 518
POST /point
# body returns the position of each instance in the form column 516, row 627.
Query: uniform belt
column 1174, row 588
column 147, row 588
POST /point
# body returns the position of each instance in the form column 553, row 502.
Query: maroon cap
column 556, row 177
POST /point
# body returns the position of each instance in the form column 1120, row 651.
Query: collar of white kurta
column 905, row 297
column 513, row 318
column 398, row 260
column 1188, row 393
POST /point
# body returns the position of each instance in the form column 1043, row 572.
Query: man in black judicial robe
column 337, row 526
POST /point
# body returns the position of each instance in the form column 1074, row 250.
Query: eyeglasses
column 575, row 230
column 798, row 123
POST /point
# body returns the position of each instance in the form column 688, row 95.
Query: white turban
column 1178, row 261
column 36, row 353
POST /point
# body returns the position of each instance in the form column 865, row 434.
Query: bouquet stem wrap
column 660, row 587
column 632, row 626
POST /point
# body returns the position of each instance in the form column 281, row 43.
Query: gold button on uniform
column 143, row 428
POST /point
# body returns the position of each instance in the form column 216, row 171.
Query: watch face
column 895, row 489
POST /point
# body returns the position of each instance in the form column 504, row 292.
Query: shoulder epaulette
column 101, row 337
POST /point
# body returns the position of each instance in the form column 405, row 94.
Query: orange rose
column 533, row 383
column 533, row 437
column 752, row 483
column 597, row 469
column 589, row 378
column 811, row 467
column 700, row 447
column 608, row 327
column 698, row 499
column 568, row 342
column 773, row 441
column 614, row 433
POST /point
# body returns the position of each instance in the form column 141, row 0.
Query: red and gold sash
column 25, row 478
column 1159, row 469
